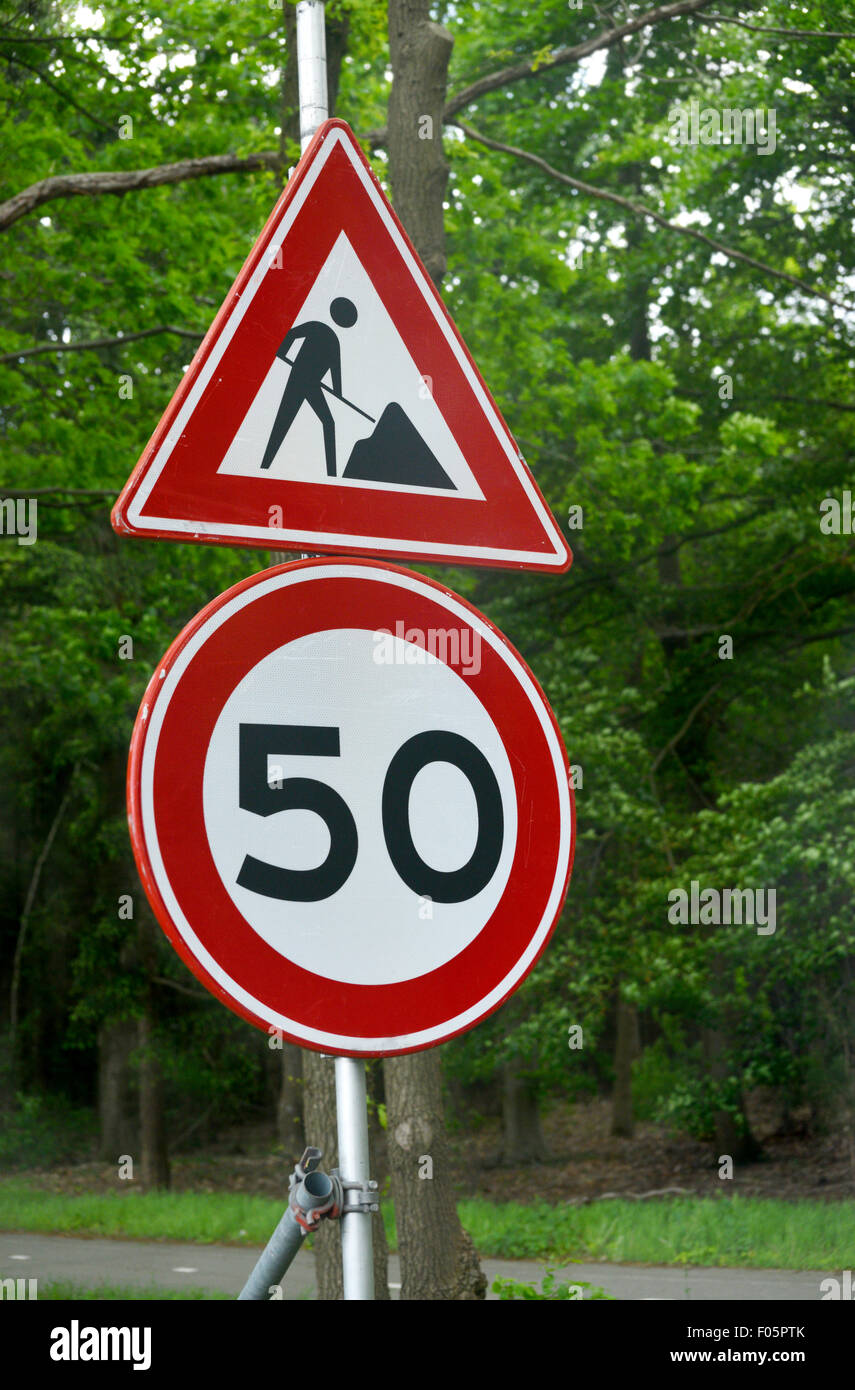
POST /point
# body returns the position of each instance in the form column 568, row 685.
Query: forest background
column 667, row 328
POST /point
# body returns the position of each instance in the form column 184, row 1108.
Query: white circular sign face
column 378, row 692
column 350, row 807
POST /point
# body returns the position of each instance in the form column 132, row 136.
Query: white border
column 382, row 544
column 156, row 714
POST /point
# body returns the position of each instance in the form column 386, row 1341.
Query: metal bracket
column 358, row 1196
column 309, row 1216
column 346, row 1196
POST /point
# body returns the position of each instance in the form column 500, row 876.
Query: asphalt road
column 225, row 1268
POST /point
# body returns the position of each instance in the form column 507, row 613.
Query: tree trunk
column 626, row 1049
column 319, row 1112
column 848, row 1034
column 319, row 1123
column 419, row 51
column 115, row 1044
column 523, row 1137
column 732, row 1135
column 289, row 1110
column 379, row 1171
column 154, row 1161
column 14, row 992
column 438, row 1259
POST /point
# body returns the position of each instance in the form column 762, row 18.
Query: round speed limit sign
column 350, row 807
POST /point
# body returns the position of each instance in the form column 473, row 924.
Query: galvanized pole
column 357, row 1260
column 351, row 1109
column 311, row 68
column 314, row 102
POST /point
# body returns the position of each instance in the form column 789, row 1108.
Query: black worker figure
column 320, row 353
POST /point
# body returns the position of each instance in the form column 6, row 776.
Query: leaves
column 696, row 410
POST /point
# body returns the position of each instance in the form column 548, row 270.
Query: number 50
column 256, row 794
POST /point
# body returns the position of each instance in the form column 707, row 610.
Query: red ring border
column 375, row 1012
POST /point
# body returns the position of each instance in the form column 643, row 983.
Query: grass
column 65, row 1291
column 205, row 1217
column 747, row 1232
column 751, row 1232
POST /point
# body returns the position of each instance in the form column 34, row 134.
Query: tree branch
column 182, row 989
column 803, row 401
column 27, row 910
column 59, row 492
column 530, row 67
column 12, row 37
column 124, row 181
column 691, row 537
column 788, row 33
column 831, row 635
column 628, row 1196
column 641, row 210
column 93, row 343
column 55, row 87
column 684, row 727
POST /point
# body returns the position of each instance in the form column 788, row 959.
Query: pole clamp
column 357, row 1196
column 309, row 1216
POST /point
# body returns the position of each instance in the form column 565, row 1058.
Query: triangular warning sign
column 333, row 406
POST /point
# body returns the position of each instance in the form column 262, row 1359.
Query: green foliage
column 693, row 405
column 656, row 1077
column 206, row 1218
column 722, row 1232
column 40, row 1130
column 550, row 1290
column 65, row 1291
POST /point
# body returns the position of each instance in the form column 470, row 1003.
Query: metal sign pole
column 311, row 68
column 357, row 1259
column 314, row 106
column 351, row 1109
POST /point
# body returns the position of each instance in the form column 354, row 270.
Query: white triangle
column 376, row 370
